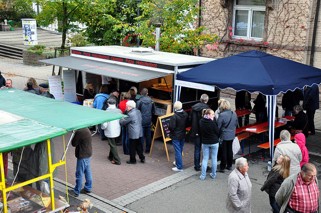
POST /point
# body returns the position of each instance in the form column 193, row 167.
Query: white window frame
column 250, row 9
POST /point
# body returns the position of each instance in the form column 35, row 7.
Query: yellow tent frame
column 51, row 169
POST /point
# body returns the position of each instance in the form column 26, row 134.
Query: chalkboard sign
column 165, row 125
column 162, row 130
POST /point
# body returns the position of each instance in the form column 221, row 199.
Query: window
column 248, row 19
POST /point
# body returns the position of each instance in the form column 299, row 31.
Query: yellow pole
column 3, row 185
column 51, row 170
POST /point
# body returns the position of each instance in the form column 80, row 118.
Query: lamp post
column 138, row 14
column 157, row 25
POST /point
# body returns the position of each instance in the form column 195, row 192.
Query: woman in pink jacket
column 300, row 140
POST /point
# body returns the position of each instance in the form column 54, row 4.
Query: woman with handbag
column 227, row 123
column 209, row 139
column 275, row 178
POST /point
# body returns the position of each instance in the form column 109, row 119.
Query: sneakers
column 212, row 176
column 84, row 191
column 72, row 193
column 202, row 178
column 174, row 163
column 175, row 169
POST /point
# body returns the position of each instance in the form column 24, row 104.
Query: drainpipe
column 199, row 20
column 314, row 35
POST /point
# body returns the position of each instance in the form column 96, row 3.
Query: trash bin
column 11, row 23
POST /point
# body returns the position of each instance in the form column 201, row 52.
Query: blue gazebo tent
column 255, row 71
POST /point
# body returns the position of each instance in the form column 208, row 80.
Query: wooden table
column 263, row 127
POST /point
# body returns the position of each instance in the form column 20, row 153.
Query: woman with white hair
column 239, row 188
column 177, row 125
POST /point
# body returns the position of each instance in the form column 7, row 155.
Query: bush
column 78, row 40
column 37, row 49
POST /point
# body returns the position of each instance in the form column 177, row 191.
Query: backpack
column 105, row 104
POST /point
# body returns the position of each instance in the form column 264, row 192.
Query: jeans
column 206, row 153
column 124, row 140
column 83, row 168
column 227, row 154
column 147, row 135
column 197, row 151
column 178, row 147
column 274, row 205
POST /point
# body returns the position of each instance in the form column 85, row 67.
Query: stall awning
column 128, row 73
column 52, row 112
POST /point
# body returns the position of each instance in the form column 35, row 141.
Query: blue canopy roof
column 254, row 71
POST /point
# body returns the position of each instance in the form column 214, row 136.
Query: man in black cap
column 45, row 91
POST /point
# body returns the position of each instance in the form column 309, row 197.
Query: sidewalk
column 153, row 186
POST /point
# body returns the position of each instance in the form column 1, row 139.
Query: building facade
column 285, row 28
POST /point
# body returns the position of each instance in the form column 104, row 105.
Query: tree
column 178, row 19
column 108, row 23
column 65, row 11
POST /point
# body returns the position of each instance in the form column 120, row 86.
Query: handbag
column 236, row 146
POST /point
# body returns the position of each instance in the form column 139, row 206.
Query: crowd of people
column 291, row 184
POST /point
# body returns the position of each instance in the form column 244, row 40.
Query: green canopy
column 52, row 112
column 25, row 132
column 42, row 118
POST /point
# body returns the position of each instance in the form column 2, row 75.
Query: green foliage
column 78, row 40
column 178, row 19
column 42, row 50
column 16, row 10
column 109, row 22
column 37, row 49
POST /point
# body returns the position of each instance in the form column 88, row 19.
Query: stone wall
column 288, row 30
column 32, row 59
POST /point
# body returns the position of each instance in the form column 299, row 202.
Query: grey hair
column 285, row 135
column 204, row 98
column 308, row 167
column 240, row 162
column 131, row 104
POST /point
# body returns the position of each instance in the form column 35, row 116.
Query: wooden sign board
column 162, row 130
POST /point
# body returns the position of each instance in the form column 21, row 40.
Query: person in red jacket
column 300, row 140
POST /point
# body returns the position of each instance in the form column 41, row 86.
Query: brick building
column 285, row 28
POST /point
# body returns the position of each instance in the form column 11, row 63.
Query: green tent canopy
column 40, row 118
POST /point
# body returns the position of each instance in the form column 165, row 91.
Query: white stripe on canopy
column 271, row 105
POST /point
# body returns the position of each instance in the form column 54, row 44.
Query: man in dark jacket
column 311, row 104
column 291, row 99
column 2, row 81
column 243, row 101
column 133, row 122
column 82, row 141
column 196, row 115
column 146, row 106
column 177, row 125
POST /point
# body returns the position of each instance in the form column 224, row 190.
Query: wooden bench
column 266, row 145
